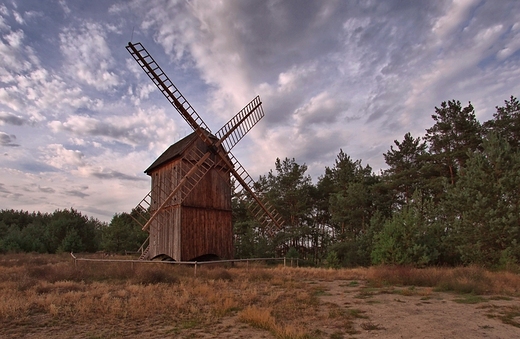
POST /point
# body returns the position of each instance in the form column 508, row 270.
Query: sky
column 80, row 121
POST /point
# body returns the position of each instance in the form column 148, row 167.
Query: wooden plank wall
column 165, row 234
column 206, row 231
column 213, row 191
column 202, row 225
column 164, row 180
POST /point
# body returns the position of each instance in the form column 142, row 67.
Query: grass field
column 49, row 296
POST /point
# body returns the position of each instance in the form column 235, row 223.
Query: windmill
column 188, row 210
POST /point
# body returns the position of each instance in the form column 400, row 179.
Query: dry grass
column 262, row 318
column 45, row 290
column 471, row 279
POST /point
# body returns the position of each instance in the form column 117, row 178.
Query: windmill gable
column 174, row 151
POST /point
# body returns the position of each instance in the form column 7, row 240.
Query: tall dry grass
column 55, row 288
column 262, row 318
column 470, row 279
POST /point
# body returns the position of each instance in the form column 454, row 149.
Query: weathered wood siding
column 165, row 234
column 202, row 223
column 164, row 180
column 206, row 231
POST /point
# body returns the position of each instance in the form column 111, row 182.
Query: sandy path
column 420, row 313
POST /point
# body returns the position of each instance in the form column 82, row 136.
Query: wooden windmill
column 188, row 210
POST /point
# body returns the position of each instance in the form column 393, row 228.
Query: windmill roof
column 174, row 151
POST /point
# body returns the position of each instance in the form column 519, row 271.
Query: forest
column 450, row 197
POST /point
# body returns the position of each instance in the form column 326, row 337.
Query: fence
column 194, row 263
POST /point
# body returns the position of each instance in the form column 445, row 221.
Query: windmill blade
column 264, row 211
column 235, row 129
column 167, row 88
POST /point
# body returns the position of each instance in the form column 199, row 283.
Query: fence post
column 195, row 270
column 74, row 257
column 284, row 261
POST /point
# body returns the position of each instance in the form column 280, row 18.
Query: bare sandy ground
column 404, row 312
column 421, row 313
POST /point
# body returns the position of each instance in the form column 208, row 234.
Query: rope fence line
column 194, row 263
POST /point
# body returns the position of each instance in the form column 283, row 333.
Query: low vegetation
column 120, row 299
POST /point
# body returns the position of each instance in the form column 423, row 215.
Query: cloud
column 32, row 166
column 58, row 156
column 64, row 6
column 110, row 174
column 15, row 56
column 320, row 109
column 11, row 119
column 7, row 140
column 3, row 189
column 456, row 16
column 88, row 56
column 77, row 193
column 146, row 128
column 42, row 95
column 46, row 189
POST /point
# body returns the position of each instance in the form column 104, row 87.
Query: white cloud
column 18, row 17
column 13, row 54
column 58, row 156
column 3, row 10
column 149, row 128
column 320, row 109
column 455, row 16
column 88, row 56
column 64, row 6
column 41, row 95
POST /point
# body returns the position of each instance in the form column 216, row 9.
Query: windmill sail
column 235, row 129
column 263, row 211
column 167, row 88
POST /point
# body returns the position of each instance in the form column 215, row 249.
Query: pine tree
column 485, row 205
column 455, row 133
column 406, row 172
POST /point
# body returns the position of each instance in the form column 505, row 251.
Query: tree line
column 67, row 231
column 450, row 197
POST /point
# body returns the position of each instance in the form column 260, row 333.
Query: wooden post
column 195, row 271
column 284, row 259
column 74, row 258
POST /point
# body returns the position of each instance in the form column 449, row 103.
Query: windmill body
column 188, row 210
column 199, row 226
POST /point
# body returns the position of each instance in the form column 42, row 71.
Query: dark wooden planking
column 202, row 223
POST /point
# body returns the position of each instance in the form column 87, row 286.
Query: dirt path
column 421, row 313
